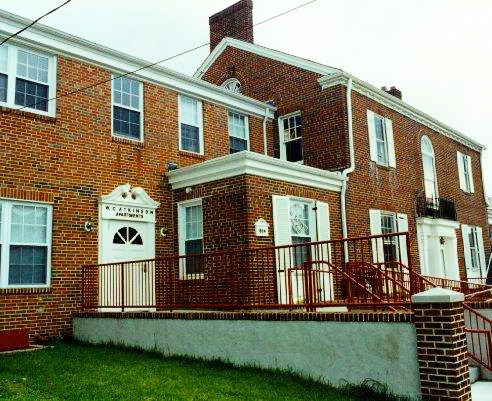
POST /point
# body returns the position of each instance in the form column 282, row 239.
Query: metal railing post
column 122, row 287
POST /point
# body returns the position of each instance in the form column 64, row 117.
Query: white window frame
column 233, row 85
column 246, row 127
column 433, row 155
column 389, row 142
column 5, row 232
column 140, row 109
column 183, row 275
column 12, row 51
column 200, row 125
column 281, row 136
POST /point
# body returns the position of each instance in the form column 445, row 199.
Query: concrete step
column 474, row 373
column 481, row 391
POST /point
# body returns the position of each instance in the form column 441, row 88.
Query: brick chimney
column 393, row 91
column 235, row 21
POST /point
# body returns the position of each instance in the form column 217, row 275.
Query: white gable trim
column 47, row 39
column 254, row 164
column 341, row 78
column 265, row 52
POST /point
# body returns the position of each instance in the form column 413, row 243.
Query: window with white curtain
column 238, row 132
column 25, row 240
column 190, row 125
column 429, row 163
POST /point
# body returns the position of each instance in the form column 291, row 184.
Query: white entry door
column 131, row 284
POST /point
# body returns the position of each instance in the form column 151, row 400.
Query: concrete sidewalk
column 482, row 391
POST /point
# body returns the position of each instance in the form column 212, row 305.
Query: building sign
column 261, row 228
column 133, row 213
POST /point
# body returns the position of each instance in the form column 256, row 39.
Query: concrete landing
column 482, row 391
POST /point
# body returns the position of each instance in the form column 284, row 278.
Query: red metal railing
column 306, row 275
column 478, row 336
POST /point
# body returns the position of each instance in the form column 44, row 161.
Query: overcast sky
column 438, row 52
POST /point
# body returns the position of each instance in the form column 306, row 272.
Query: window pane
column 126, row 123
column 293, row 150
column 299, row 219
column 32, row 66
column 237, row 125
column 300, row 254
column 31, row 95
column 28, row 265
column 126, row 92
column 188, row 110
column 3, row 58
column 190, row 138
column 3, row 87
column 194, row 264
column 237, row 145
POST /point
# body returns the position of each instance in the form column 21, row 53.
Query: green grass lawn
column 73, row 371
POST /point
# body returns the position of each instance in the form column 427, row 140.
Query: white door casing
column 127, row 233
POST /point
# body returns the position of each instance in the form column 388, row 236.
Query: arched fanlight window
column 127, row 235
column 233, row 85
column 429, row 162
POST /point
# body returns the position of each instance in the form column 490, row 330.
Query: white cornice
column 51, row 40
column 380, row 96
column 265, row 52
column 254, row 164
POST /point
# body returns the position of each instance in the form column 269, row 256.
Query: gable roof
column 333, row 76
column 295, row 61
column 47, row 39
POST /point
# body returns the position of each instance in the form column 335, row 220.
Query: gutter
column 348, row 170
column 265, row 142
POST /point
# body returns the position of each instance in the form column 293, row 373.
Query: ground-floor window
column 25, row 244
column 190, row 216
column 390, row 248
column 390, row 244
column 474, row 250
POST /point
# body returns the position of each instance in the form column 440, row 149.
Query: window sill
column 191, row 154
column 25, row 290
column 127, row 141
column 383, row 166
column 27, row 113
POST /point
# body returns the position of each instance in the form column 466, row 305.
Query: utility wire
column 34, row 22
column 148, row 65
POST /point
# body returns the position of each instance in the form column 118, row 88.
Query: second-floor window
column 127, row 108
column 27, row 79
column 428, row 160
column 465, row 173
column 238, row 132
column 290, row 127
column 381, row 142
column 190, row 125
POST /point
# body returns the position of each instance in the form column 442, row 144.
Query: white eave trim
column 438, row 222
column 48, row 39
column 258, row 165
column 265, row 52
column 341, row 78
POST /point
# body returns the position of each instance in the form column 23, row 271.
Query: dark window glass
column 237, row 144
column 300, row 254
column 126, row 123
column 3, row 88
column 294, row 150
column 194, row 264
column 30, row 94
column 127, row 235
column 190, row 138
column 28, row 265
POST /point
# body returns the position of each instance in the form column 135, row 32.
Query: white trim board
column 392, row 102
column 286, row 58
column 47, row 39
column 254, row 164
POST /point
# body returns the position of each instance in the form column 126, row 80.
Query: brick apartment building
column 157, row 163
column 405, row 170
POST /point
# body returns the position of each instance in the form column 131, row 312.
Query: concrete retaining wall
column 329, row 351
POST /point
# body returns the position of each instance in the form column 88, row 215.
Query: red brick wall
column 291, row 88
column 395, row 190
column 71, row 160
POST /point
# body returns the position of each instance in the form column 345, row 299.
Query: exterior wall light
column 88, row 225
column 164, row 231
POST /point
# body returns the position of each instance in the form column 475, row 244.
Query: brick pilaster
column 441, row 344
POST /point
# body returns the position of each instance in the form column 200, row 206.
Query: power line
column 148, row 65
column 34, row 22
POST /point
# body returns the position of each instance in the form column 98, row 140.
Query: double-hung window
column 238, row 132
column 429, row 164
column 465, row 173
column 25, row 240
column 474, row 251
column 290, row 127
column 190, row 235
column 390, row 244
column 190, row 125
column 381, row 142
column 27, row 79
column 127, row 108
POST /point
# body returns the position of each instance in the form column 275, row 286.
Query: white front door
column 128, row 241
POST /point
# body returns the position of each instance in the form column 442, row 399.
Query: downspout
column 350, row 168
column 265, row 142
